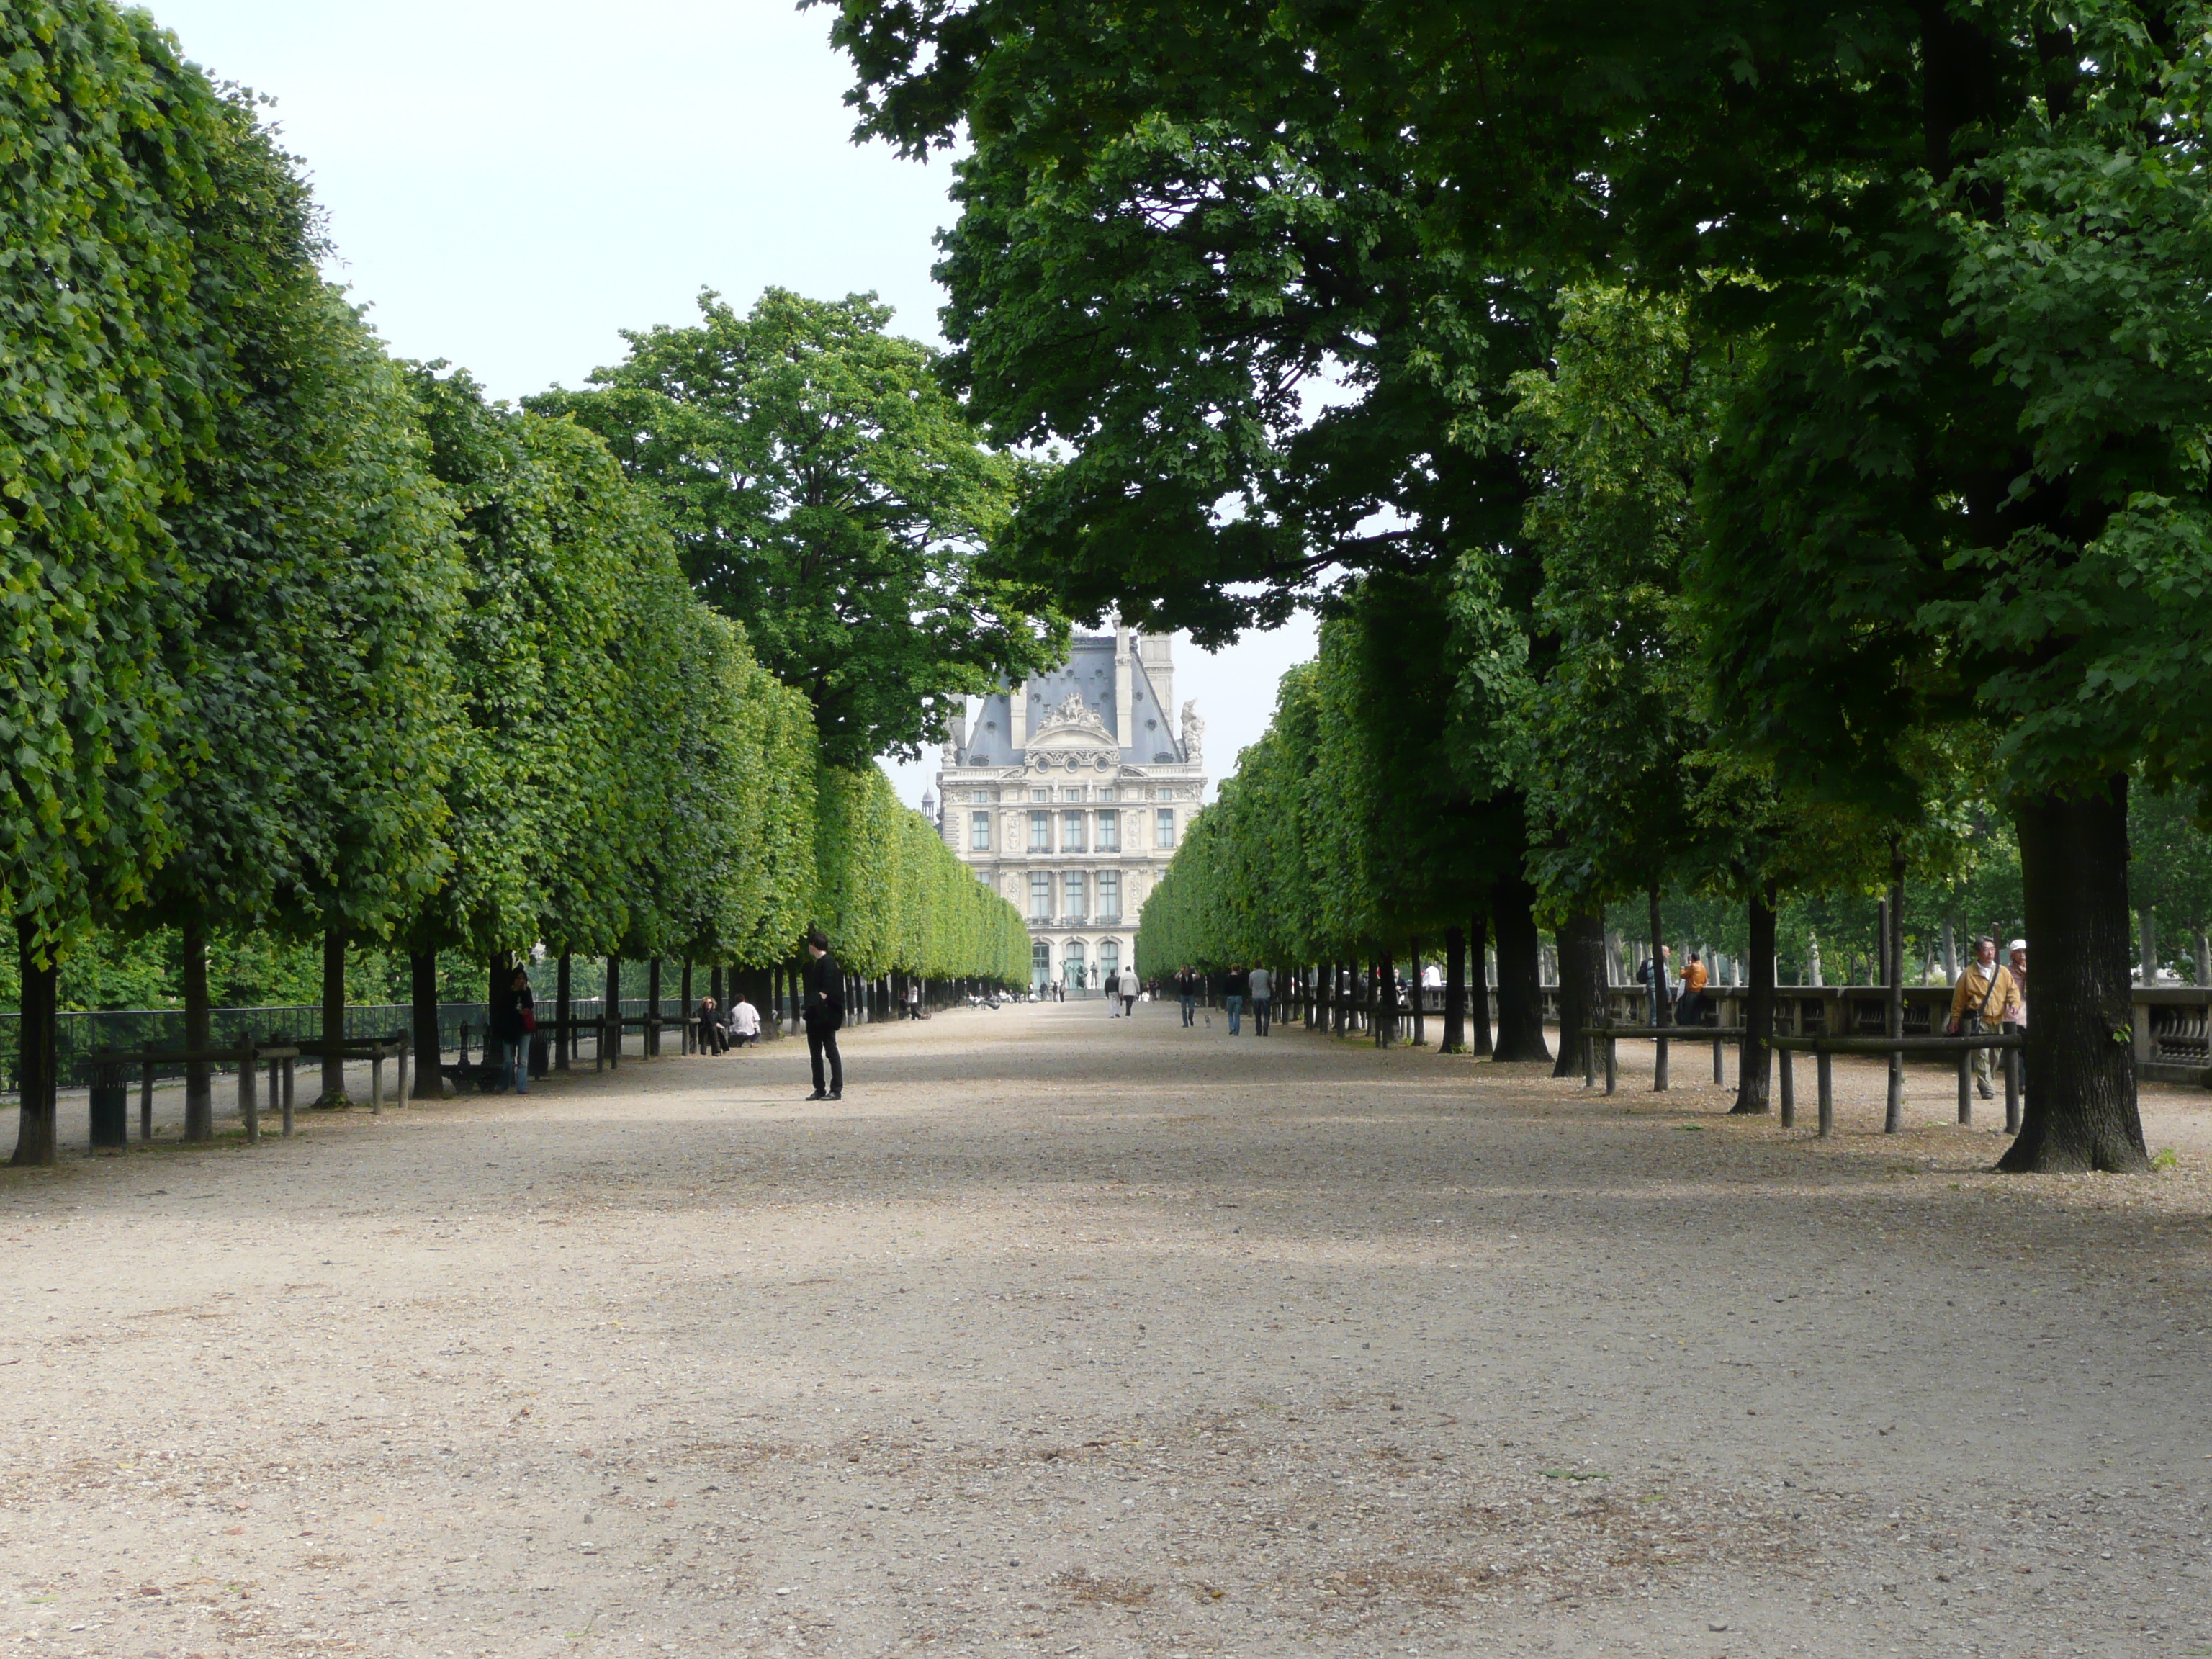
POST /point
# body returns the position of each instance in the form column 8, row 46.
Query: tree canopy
column 826, row 491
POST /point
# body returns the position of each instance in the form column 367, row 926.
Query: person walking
column 1233, row 988
column 744, row 1022
column 511, row 1022
column 914, row 999
column 2016, row 965
column 1652, row 975
column 1985, row 995
column 1113, row 1001
column 1186, row 986
column 1261, row 984
column 1128, row 989
column 713, row 1039
column 824, row 1012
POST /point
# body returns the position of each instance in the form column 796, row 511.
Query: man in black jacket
column 824, row 1012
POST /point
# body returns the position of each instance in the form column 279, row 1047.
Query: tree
column 100, row 407
column 825, row 491
column 309, row 513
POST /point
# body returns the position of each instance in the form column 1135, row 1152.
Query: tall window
column 1109, row 961
column 1040, row 962
column 1040, row 832
column 1040, row 895
column 979, row 832
column 1070, row 962
column 1109, row 832
column 1071, row 832
column 1164, row 827
column 1110, row 894
column 1075, row 891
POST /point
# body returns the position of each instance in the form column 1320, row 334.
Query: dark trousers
column 821, row 1040
column 713, row 1039
column 1189, row 1004
column 1260, row 1014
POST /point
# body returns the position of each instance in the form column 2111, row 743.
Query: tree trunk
column 1754, row 1061
column 334, row 1006
column 1520, row 979
column 2081, row 1109
column 37, row 1133
column 428, row 1082
column 1582, row 985
column 1386, row 1002
column 1892, row 968
column 199, row 1083
column 611, row 1030
column 564, row 1037
column 1420, row 1001
column 1478, row 985
column 1454, row 991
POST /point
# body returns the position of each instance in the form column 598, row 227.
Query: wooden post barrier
column 1823, row 1048
column 247, row 1057
column 375, row 1051
column 1788, row 1088
column 1609, row 1038
column 249, row 1104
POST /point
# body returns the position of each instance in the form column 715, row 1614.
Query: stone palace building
column 1068, row 794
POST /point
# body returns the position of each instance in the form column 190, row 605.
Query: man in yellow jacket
column 1987, row 996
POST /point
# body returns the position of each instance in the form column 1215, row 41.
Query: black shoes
column 836, row 1094
column 818, row 1095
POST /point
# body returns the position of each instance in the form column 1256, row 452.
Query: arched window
column 1071, row 962
column 1110, row 960
column 1040, row 963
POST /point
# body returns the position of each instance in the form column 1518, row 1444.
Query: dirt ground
column 1061, row 1335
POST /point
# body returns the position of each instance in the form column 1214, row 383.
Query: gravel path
column 1062, row 1335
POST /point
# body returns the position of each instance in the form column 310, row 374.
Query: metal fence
column 82, row 1034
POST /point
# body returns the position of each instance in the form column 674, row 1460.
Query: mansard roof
column 1088, row 674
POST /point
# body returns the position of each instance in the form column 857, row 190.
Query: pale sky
column 510, row 184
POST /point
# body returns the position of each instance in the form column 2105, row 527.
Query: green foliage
column 826, row 492
column 105, row 138
column 309, row 637
column 2170, row 870
column 893, row 895
column 1183, row 250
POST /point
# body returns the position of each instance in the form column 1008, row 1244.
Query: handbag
column 529, row 1021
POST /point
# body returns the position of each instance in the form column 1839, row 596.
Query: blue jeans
column 515, row 1064
column 1235, row 1007
column 1190, row 1007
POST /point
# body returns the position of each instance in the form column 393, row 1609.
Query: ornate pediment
column 1072, row 734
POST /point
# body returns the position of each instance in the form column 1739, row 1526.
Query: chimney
column 1125, row 682
column 1156, row 652
column 1017, row 717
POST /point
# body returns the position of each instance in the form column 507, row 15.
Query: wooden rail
column 1823, row 1050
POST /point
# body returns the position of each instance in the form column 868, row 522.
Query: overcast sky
column 508, row 185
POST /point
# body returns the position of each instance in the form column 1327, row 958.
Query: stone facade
column 1068, row 794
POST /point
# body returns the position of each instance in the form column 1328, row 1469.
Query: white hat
column 2017, row 945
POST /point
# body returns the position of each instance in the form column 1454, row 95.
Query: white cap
column 2017, row 945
